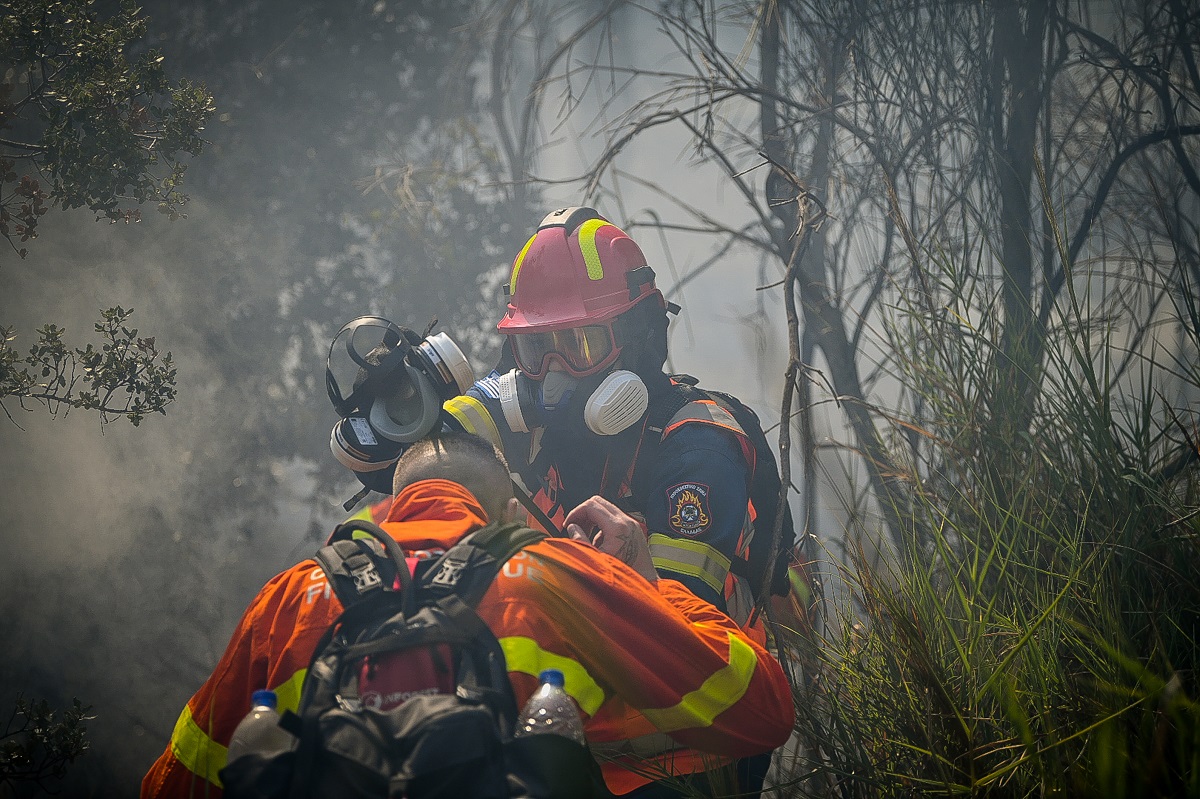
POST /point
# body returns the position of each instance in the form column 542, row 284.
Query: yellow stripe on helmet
column 524, row 655
column 719, row 692
column 512, row 280
column 587, row 244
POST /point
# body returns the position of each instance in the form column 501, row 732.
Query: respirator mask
column 604, row 404
column 399, row 381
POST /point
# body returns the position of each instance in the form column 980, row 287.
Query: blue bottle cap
column 552, row 676
column 264, row 697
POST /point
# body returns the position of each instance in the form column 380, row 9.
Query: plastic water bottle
column 551, row 711
column 259, row 732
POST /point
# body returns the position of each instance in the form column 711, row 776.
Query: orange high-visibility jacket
column 640, row 659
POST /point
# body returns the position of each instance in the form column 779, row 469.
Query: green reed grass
column 1037, row 633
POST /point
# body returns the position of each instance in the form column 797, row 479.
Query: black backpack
column 764, row 486
column 445, row 730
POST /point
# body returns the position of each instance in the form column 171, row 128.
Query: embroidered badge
column 687, row 504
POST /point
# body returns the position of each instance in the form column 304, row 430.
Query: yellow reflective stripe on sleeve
column 692, row 558
column 512, row 280
column 287, row 695
column 587, row 244
column 474, row 418
column 363, row 515
column 198, row 753
column 524, row 655
column 719, row 692
column 203, row 756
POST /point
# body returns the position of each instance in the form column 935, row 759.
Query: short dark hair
column 462, row 458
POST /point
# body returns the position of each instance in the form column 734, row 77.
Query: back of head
column 462, row 458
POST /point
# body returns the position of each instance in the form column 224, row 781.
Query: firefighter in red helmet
column 588, row 409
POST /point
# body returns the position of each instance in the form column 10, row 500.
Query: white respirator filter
column 616, row 404
column 451, row 365
column 354, row 445
column 510, row 403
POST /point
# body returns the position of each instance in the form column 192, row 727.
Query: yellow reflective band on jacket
column 474, row 418
column 203, row 756
column 363, row 515
column 719, row 692
column 587, row 244
column 287, row 695
column 799, row 585
column 693, row 558
column 512, row 280
column 524, row 655
column 198, row 753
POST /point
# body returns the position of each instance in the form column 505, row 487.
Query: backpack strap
column 456, row 582
column 361, row 559
column 467, row 569
column 764, row 493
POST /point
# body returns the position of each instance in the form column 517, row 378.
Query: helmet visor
column 581, row 350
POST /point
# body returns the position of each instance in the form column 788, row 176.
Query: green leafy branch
column 126, row 376
column 38, row 743
column 103, row 130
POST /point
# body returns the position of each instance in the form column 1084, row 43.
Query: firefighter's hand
column 598, row 522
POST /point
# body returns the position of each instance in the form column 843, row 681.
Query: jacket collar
column 433, row 514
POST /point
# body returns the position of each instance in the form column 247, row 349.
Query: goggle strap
column 636, row 278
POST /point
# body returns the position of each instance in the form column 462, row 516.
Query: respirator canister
column 615, row 404
column 400, row 381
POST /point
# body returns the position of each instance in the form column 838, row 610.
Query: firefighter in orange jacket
column 643, row 656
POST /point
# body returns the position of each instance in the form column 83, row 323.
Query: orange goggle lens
column 582, row 350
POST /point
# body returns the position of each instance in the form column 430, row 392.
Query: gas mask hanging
column 604, row 404
column 399, row 382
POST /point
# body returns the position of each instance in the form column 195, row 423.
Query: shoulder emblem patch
column 688, row 509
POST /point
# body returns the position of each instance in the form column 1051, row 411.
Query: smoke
column 131, row 552
column 107, row 565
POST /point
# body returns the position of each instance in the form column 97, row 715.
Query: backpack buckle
column 449, row 572
column 366, row 578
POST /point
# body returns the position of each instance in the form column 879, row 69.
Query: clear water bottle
column 259, row 732
column 551, row 711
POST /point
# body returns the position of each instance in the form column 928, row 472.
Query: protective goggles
column 582, row 351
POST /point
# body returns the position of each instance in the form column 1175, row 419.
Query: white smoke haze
column 129, row 553
column 117, row 588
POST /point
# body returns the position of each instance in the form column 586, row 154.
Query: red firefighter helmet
column 577, row 269
column 574, row 276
